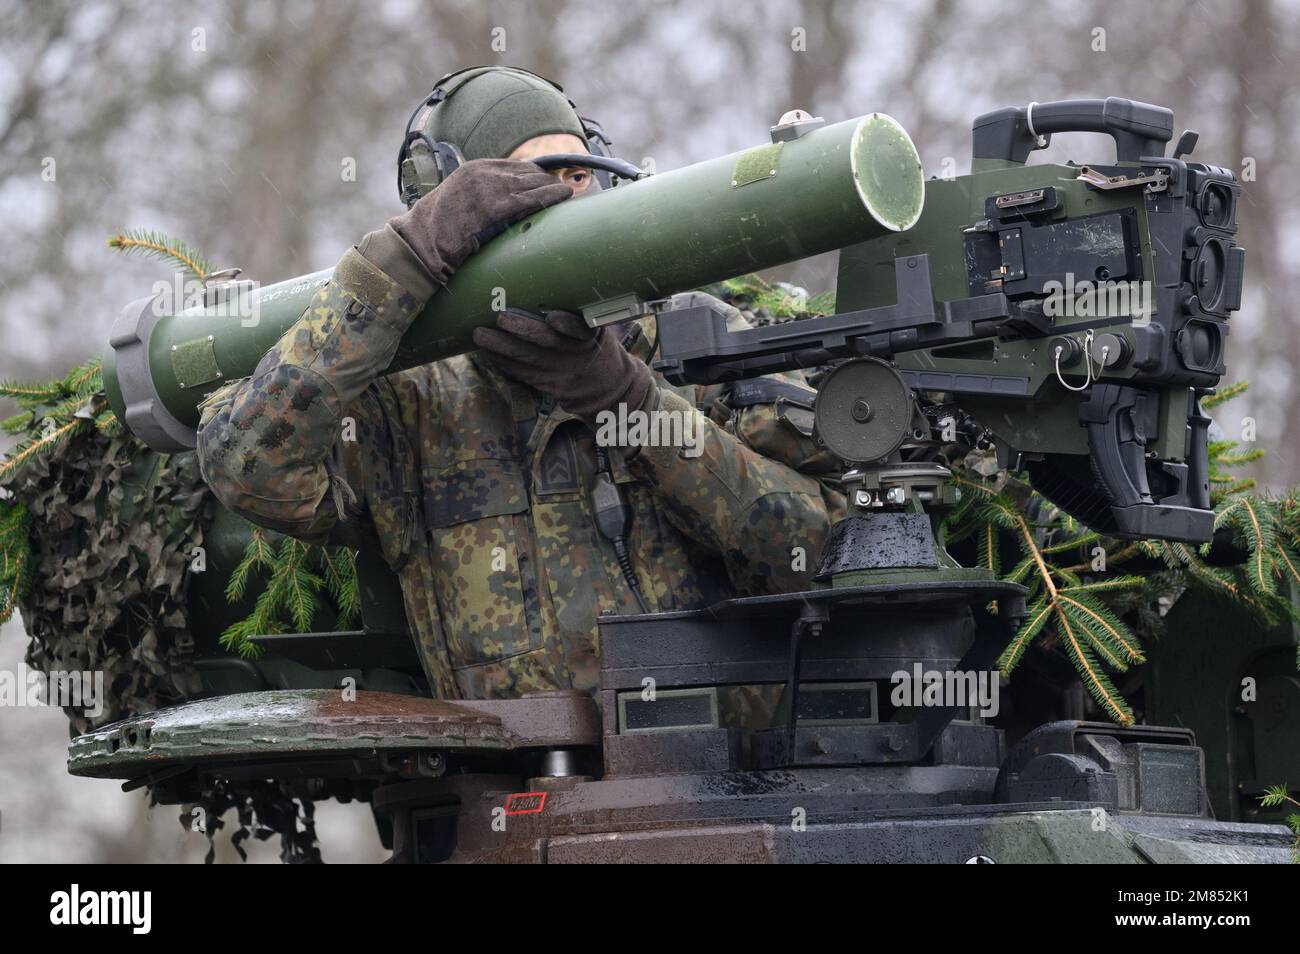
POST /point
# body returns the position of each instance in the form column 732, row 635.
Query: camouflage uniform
column 475, row 488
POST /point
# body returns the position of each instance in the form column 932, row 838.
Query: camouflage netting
column 108, row 591
column 111, row 527
column 263, row 809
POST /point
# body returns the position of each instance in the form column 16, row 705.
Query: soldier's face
column 575, row 177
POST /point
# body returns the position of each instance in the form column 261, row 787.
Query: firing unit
column 955, row 322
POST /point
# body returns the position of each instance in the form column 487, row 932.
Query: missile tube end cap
column 887, row 172
column 128, row 380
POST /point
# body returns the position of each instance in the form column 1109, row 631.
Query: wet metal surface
column 324, row 722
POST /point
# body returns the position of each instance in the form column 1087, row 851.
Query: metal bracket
column 1013, row 199
column 793, row 124
column 1157, row 181
column 614, row 310
column 697, row 347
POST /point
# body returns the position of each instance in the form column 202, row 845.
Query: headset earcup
column 449, row 158
column 426, row 165
column 418, row 171
column 409, row 173
column 598, row 144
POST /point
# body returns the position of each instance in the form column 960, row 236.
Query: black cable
column 629, row 574
column 613, row 516
column 565, row 160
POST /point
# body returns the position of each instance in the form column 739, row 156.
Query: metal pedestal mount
column 868, row 416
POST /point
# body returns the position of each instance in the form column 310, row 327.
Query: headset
column 423, row 162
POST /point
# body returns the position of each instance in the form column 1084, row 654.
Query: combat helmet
column 485, row 112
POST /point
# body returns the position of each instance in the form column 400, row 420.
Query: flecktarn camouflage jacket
column 475, row 489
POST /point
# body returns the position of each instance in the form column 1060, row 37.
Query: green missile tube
column 605, row 257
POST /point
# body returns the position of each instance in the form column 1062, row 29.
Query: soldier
column 479, row 478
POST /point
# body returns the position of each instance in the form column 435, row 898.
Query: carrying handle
column 1010, row 134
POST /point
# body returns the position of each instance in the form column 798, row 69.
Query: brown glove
column 475, row 204
column 586, row 370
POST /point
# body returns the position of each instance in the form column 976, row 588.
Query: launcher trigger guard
column 1122, row 422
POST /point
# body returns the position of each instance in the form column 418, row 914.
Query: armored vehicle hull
column 667, row 766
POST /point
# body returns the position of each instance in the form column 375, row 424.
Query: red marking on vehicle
column 525, row 803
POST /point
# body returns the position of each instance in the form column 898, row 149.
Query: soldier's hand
column 586, row 370
column 475, row 203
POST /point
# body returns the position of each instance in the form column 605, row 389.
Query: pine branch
column 1114, row 559
column 108, row 423
column 1234, row 587
column 1036, row 617
column 1083, row 625
column 1072, row 544
column 1224, row 394
column 776, row 301
column 1068, row 576
column 1106, row 586
column 300, row 585
column 15, row 557
column 1253, row 524
column 84, row 379
column 160, row 246
column 1231, row 485
column 1289, row 562
column 257, row 553
column 74, row 405
column 1022, row 570
column 341, row 577
column 1240, row 458
column 1278, row 796
column 237, row 638
column 1105, row 626
column 292, row 592
column 51, row 413
column 1095, row 680
column 28, row 451
column 1096, row 644
column 31, row 392
column 990, row 555
column 18, row 423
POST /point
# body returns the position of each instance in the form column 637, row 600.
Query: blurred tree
column 267, row 132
